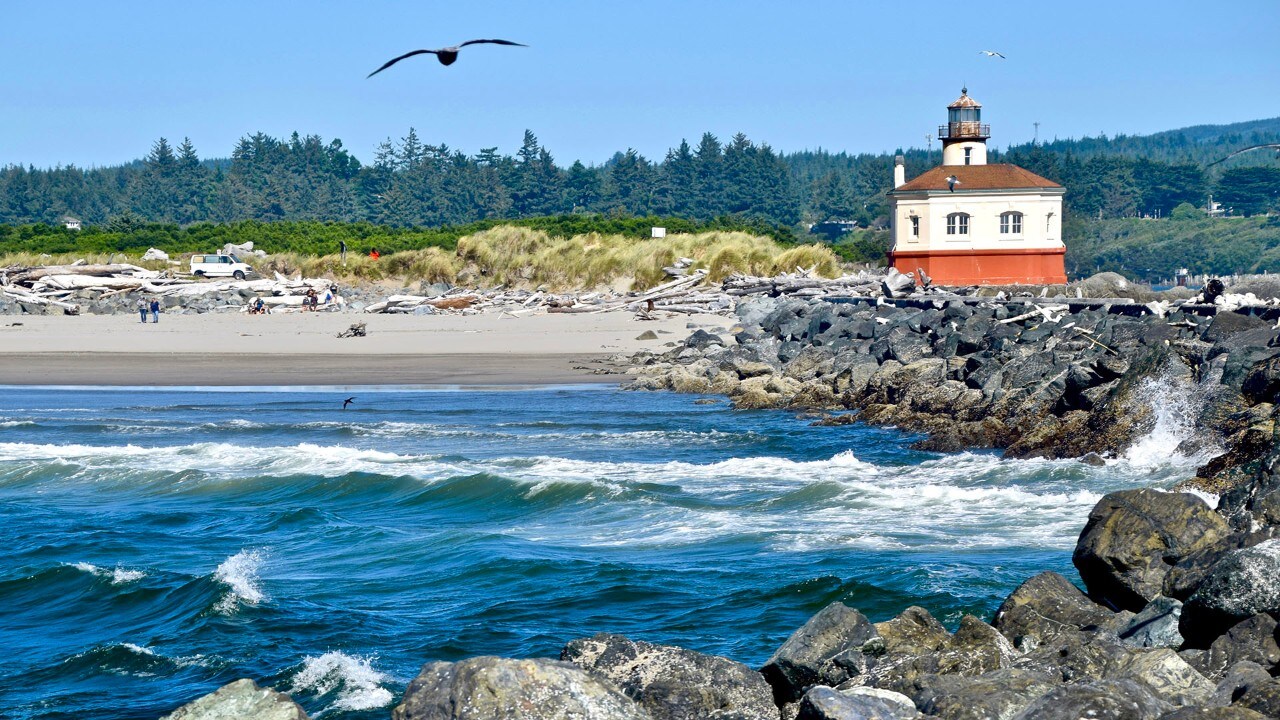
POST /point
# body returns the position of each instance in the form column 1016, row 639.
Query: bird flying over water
column 1274, row 146
column 446, row 56
column 347, row 402
column 992, row 53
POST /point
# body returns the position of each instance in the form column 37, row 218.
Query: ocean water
column 160, row 543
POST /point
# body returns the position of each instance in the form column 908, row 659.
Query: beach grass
column 526, row 257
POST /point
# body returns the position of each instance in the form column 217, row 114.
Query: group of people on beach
column 149, row 304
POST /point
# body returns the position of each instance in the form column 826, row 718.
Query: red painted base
column 985, row 267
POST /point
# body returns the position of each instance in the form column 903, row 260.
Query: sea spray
column 353, row 681
column 1175, row 403
column 240, row 574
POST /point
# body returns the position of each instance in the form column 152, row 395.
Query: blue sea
column 158, row 543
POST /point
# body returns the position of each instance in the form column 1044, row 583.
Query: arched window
column 1011, row 223
column 958, row 224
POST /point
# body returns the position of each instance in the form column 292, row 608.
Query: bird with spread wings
column 992, row 53
column 446, row 56
column 1273, row 146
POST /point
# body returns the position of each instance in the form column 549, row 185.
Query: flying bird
column 347, row 402
column 446, row 56
column 952, row 182
column 1274, row 146
column 991, row 53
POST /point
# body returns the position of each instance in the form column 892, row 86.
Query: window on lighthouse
column 968, row 156
column 958, row 224
column 915, row 226
column 1011, row 223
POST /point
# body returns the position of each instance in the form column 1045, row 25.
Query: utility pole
column 928, row 139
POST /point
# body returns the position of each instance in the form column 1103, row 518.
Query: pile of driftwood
column 688, row 293
column 107, row 285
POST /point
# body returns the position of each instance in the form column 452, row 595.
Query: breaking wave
column 348, row 683
column 239, row 573
column 118, row 575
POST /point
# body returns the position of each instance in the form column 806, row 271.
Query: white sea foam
column 240, row 574
column 1175, row 404
column 118, row 575
column 16, row 423
column 357, row 683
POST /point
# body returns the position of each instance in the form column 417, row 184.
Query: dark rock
column 1167, row 675
column 1229, row 324
column 1156, row 626
column 1252, row 640
column 1237, row 680
column 701, row 340
column 913, row 632
column 806, row 658
column 1243, row 583
column 1045, row 606
column 673, row 683
column 1263, row 698
column 999, row 694
column 1131, row 539
column 1081, row 656
column 240, row 700
column 490, row 688
column 647, row 335
column 1112, row 699
column 1205, row 712
column 1093, row 459
column 824, row 703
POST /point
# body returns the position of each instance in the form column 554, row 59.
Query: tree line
column 411, row 183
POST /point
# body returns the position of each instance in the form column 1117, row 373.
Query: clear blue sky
column 95, row 83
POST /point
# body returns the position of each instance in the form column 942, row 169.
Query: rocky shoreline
column 1179, row 616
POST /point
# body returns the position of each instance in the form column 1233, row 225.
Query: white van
column 219, row 266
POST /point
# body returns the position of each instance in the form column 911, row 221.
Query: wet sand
column 302, row 349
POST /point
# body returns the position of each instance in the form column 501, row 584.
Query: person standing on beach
column 142, row 308
column 155, row 309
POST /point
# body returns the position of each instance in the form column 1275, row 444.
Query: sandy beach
column 302, row 349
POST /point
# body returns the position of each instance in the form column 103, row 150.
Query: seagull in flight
column 446, row 56
column 952, row 182
column 992, row 53
column 347, row 402
column 1274, row 146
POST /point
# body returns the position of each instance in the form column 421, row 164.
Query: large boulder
column 240, row 700
column 824, row 703
column 1131, row 539
column 1112, row 699
column 1243, row 583
column 809, row 656
column 491, row 688
column 673, row 683
column 913, row 632
column 1169, row 676
column 999, row 694
column 1045, row 606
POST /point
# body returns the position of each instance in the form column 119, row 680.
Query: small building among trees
column 966, row 222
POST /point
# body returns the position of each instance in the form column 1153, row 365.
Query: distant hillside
column 1199, row 144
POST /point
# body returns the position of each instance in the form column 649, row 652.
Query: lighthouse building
column 966, row 222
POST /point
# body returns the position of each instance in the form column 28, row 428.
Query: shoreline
column 302, row 349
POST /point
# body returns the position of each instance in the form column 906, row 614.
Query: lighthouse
column 968, row 222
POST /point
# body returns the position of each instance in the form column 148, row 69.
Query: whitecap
column 357, row 683
column 119, row 575
column 240, row 574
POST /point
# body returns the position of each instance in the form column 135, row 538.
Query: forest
column 413, row 193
